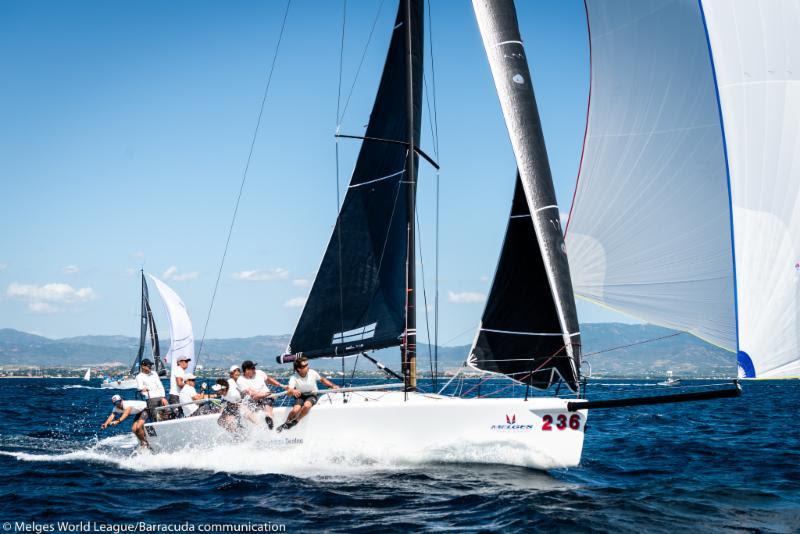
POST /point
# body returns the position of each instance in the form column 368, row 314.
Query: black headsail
column 358, row 299
column 529, row 329
column 146, row 321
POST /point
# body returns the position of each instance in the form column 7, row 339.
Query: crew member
column 149, row 385
column 189, row 394
column 126, row 408
column 303, row 387
column 176, row 379
column 254, row 387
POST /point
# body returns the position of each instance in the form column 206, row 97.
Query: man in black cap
column 149, row 385
column 254, row 386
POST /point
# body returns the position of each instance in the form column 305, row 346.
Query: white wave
column 253, row 458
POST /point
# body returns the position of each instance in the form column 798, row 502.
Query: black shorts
column 259, row 404
column 310, row 397
column 140, row 415
column 150, row 412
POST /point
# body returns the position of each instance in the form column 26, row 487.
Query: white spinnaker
column 649, row 232
column 756, row 50
column 180, row 326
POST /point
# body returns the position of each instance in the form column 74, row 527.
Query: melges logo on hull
column 511, row 425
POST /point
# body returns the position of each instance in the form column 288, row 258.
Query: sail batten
column 357, row 300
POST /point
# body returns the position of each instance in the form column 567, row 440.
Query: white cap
column 115, row 399
column 189, row 376
column 216, row 387
column 233, row 368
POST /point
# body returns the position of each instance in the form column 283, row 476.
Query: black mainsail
column 358, row 301
column 529, row 329
column 147, row 321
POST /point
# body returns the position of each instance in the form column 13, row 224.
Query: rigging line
column 436, row 244
column 338, row 194
column 244, row 177
column 424, row 292
column 360, row 63
column 633, row 344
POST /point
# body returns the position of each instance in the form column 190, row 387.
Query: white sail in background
column 180, row 326
column 652, row 232
column 756, row 50
column 88, row 375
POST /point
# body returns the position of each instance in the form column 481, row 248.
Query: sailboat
column 670, row 381
column 680, row 217
column 146, row 323
column 87, row 375
column 364, row 296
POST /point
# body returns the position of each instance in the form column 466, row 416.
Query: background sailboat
column 146, row 322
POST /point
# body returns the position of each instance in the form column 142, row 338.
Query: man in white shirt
column 189, row 394
column 256, row 395
column 149, row 385
column 303, row 387
column 126, row 408
column 233, row 394
column 176, row 379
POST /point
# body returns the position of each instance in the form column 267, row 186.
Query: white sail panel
column 180, row 326
column 756, row 50
column 649, row 232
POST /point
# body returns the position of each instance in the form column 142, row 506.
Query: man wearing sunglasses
column 303, row 387
column 149, row 385
column 126, row 408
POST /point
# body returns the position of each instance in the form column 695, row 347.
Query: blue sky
column 126, row 127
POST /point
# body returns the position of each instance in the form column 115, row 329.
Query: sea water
column 731, row 464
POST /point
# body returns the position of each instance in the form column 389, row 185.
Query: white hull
column 128, row 383
column 534, row 433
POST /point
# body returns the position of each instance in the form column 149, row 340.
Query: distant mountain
column 612, row 349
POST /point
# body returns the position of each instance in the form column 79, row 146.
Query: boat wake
column 72, row 386
column 253, row 458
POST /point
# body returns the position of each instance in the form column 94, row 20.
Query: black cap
column 247, row 364
column 146, row 362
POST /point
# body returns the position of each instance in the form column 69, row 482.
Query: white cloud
column 172, row 273
column 130, row 271
column 262, row 275
column 71, row 269
column 53, row 292
column 465, row 297
column 301, row 282
column 484, row 278
column 41, row 299
column 42, row 308
column 297, row 302
column 138, row 255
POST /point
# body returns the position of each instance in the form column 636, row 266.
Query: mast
column 410, row 346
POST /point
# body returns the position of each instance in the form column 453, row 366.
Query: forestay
column 357, row 301
column 180, row 327
column 529, row 329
